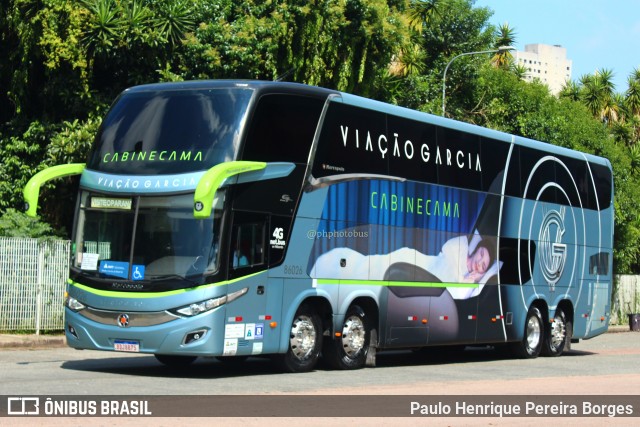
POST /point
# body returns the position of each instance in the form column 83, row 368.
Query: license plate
column 128, row 346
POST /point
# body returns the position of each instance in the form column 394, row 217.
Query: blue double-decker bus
column 244, row 218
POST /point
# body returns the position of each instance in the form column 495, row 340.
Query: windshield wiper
column 167, row 277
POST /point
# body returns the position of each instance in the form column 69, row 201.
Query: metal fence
column 33, row 274
column 625, row 298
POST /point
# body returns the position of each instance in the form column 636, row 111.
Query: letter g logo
column 553, row 253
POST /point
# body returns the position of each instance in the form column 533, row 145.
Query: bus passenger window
column 599, row 264
column 248, row 247
column 239, row 259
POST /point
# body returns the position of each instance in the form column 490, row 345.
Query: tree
column 598, row 95
column 21, row 155
column 343, row 45
column 632, row 96
column 621, row 112
column 17, row 224
column 424, row 13
column 519, row 70
column 446, row 28
column 505, row 36
column 410, row 61
column 571, row 90
column 129, row 43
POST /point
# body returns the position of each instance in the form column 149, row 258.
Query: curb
column 619, row 328
column 31, row 341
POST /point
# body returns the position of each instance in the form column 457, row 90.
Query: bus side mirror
column 211, row 181
column 31, row 191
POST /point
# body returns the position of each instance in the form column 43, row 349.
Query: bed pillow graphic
column 405, row 272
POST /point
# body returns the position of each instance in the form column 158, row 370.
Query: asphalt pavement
column 9, row 341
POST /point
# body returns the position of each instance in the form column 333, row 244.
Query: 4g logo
column 278, row 241
column 278, row 233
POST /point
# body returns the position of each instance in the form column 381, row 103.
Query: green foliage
column 128, row 43
column 45, row 70
column 505, row 36
column 619, row 111
column 39, row 146
column 459, row 28
column 21, row 155
column 448, row 28
column 71, row 144
column 17, row 224
column 338, row 44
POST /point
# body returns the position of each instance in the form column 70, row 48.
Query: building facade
column 547, row 63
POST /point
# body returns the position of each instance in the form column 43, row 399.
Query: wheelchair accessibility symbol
column 138, row 272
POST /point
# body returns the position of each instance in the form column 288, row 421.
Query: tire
column 305, row 342
column 557, row 336
column 175, row 361
column 351, row 349
column 534, row 336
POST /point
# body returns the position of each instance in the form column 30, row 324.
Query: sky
column 597, row 34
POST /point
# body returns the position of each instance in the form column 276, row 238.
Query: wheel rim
column 533, row 333
column 353, row 336
column 303, row 337
column 558, row 332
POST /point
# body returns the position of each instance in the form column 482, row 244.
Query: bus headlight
column 73, row 304
column 204, row 306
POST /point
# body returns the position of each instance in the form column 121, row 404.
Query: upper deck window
column 282, row 128
column 170, row 131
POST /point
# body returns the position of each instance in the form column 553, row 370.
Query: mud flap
column 371, row 354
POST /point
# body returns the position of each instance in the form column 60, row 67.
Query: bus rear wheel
column 531, row 344
column 305, row 342
column 556, row 339
column 349, row 351
column 175, row 361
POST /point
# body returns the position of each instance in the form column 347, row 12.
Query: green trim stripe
column 351, row 282
column 122, row 294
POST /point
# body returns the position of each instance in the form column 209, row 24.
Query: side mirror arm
column 211, row 181
column 31, row 191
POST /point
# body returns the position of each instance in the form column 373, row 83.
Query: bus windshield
column 145, row 238
column 152, row 132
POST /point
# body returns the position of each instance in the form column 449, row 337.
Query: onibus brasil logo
column 553, row 253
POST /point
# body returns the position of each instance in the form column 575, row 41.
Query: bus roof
column 258, row 85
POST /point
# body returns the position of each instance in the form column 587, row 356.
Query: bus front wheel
column 349, row 351
column 305, row 342
column 531, row 344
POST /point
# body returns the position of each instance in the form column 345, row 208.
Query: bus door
column 247, row 264
column 600, row 296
